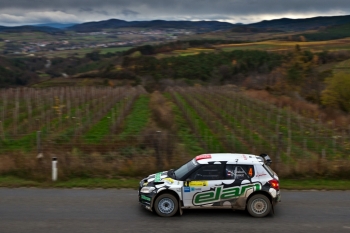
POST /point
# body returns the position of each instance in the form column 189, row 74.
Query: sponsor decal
column 199, row 157
column 191, row 189
column 145, row 184
column 198, row 183
column 195, row 189
column 219, row 193
column 169, row 180
column 157, row 178
column 143, row 197
column 250, row 172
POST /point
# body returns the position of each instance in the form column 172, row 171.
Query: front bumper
column 145, row 200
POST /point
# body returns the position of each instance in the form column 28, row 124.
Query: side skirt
column 206, row 207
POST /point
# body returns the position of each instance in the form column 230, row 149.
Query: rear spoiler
column 267, row 159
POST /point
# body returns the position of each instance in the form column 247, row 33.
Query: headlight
column 147, row 189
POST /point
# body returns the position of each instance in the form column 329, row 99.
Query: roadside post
column 54, row 169
column 38, row 145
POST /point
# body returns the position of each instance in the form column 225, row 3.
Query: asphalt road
column 27, row 210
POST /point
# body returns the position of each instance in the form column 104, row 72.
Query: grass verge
column 14, row 182
column 318, row 184
column 286, row 184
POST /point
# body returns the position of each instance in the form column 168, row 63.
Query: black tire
column 166, row 205
column 259, row 206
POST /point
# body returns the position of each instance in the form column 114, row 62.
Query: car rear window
column 269, row 170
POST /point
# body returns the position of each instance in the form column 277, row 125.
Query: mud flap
column 272, row 209
column 181, row 204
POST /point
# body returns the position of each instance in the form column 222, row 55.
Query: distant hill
column 56, row 25
column 302, row 24
column 30, row 29
column 117, row 23
column 276, row 25
column 247, row 29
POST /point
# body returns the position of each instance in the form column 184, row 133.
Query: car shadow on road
column 214, row 213
column 207, row 213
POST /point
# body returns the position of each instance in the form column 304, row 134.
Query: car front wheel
column 166, row 205
column 259, row 206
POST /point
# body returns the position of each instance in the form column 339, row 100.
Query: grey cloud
column 86, row 9
column 128, row 12
column 102, row 12
column 226, row 10
column 188, row 6
column 38, row 17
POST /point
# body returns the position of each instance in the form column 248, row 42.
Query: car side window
column 239, row 172
column 209, row 172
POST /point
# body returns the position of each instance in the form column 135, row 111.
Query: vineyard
column 127, row 131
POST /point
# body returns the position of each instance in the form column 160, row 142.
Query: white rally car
column 234, row 181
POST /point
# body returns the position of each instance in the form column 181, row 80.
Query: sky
column 26, row 12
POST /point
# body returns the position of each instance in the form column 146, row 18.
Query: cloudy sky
column 19, row 12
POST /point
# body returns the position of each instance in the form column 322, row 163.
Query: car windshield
column 185, row 169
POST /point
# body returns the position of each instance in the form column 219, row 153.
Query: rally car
column 234, row 181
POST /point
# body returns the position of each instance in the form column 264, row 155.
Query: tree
column 337, row 92
column 94, row 55
column 302, row 38
column 299, row 68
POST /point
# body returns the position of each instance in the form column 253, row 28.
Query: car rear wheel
column 259, row 206
column 166, row 205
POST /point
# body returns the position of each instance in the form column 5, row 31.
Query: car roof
column 229, row 158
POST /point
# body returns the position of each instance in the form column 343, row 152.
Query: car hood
column 157, row 178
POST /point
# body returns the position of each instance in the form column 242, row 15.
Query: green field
column 256, row 47
column 268, row 45
column 83, row 52
column 276, row 45
column 29, row 36
column 184, row 52
column 343, row 67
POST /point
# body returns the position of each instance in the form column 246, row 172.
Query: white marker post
column 54, row 169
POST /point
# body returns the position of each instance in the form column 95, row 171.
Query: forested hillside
column 205, row 67
column 330, row 33
column 19, row 72
column 291, row 72
column 302, row 24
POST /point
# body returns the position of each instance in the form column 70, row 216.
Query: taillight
column 275, row 184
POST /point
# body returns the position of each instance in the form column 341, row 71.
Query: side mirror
column 187, row 182
column 171, row 172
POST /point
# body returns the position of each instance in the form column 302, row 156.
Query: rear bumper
column 277, row 198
